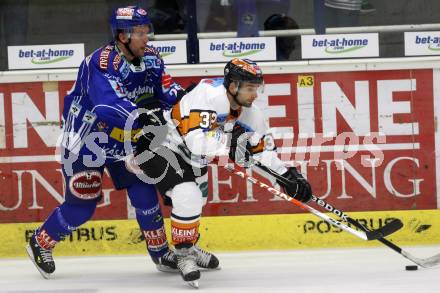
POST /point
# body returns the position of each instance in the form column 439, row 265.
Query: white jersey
column 203, row 117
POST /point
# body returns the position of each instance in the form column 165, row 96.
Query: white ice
column 327, row 271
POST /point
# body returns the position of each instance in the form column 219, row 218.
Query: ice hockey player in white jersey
column 214, row 119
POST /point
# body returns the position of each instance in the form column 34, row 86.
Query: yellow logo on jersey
column 119, row 134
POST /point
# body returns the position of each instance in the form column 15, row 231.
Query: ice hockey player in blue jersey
column 112, row 84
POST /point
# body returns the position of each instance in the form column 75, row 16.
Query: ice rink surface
column 341, row 270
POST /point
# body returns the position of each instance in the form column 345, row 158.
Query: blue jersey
column 107, row 92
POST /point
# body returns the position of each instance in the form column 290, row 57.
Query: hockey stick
column 396, row 224
column 386, row 230
column 365, row 235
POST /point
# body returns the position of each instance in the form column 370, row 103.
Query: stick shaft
column 299, row 204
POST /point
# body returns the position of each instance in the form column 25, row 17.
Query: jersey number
column 207, row 118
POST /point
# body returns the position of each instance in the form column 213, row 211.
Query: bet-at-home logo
column 432, row 42
column 45, row 56
column 238, row 49
column 340, row 45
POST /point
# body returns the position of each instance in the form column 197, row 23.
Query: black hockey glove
column 154, row 127
column 239, row 148
column 151, row 113
column 299, row 188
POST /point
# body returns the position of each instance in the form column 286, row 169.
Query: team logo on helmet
column 141, row 11
column 246, row 66
column 125, row 13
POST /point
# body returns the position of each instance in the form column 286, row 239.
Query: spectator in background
column 285, row 45
column 251, row 13
column 220, row 18
column 266, row 8
column 244, row 16
column 342, row 13
column 167, row 17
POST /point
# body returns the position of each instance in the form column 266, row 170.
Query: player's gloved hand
column 154, row 127
column 151, row 113
column 239, row 148
column 299, row 188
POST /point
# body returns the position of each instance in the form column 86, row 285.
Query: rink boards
column 234, row 233
column 382, row 157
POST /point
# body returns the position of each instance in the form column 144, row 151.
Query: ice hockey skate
column 167, row 263
column 187, row 263
column 42, row 258
column 206, row 260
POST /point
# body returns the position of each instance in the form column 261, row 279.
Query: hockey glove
column 299, row 188
column 239, row 149
column 154, row 127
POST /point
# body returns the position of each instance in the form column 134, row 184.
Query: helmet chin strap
column 234, row 96
column 135, row 60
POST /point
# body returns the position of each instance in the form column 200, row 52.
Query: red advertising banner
column 365, row 140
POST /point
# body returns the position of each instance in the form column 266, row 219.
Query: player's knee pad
column 76, row 215
column 142, row 196
column 187, row 200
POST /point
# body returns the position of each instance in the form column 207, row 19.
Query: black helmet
column 242, row 70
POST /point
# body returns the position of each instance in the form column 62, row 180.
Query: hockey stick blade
column 423, row 262
column 384, row 231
